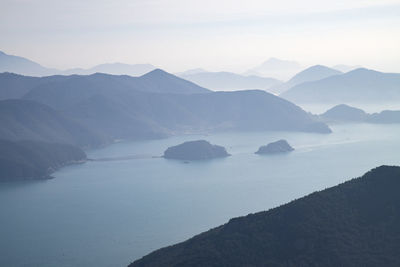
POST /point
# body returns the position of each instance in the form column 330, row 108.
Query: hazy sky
column 213, row 34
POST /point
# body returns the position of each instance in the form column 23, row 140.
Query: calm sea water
column 109, row 213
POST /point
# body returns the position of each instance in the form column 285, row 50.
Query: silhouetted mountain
column 356, row 223
column 28, row 120
column 280, row 146
column 159, row 104
column 114, row 69
column 20, row 65
column 357, row 86
column 16, row 85
column 346, row 68
column 69, row 90
column 35, row 160
column 313, row 73
column 163, row 82
column 343, row 113
column 23, row 66
column 195, row 150
column 228, row 81
column 276, row 68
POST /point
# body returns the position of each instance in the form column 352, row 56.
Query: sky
column 177, row 35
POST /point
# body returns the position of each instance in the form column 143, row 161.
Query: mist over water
column 320, row 108
column 109, row 213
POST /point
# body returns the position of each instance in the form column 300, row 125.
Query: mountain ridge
column 355, row 223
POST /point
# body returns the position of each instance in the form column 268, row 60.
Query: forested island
column 195, row 150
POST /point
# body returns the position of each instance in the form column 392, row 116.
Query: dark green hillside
column 35, row 160
column 353, row 224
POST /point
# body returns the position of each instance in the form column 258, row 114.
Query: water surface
column 109, row 213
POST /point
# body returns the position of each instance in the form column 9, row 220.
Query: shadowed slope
column 353, row 224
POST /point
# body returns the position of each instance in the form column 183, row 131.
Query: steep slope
column 28, row 120
column 228, row 81
column 313, row 73
column 20, row 65
column 35, row 160
column 357, row 86
column 353, row 224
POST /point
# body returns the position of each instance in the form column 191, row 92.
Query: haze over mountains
column 155, row 105
column 98, row 109
column 273, row 67
column 357, row 86
column 228, row 81
column 23, row 66
column 20, row 65
column 313, row 73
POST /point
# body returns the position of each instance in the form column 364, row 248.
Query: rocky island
column 280, row 146
column 195, row 150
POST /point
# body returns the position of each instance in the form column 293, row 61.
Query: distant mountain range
column 346, row 68
column 113, row 68
column 356, row 223
column 357, row 86
column 277, row 68
column 23, row 66
column 228, row 81
column 313, row 73
column 154, row 105
column 20, row 65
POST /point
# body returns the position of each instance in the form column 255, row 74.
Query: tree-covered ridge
column 356, row 223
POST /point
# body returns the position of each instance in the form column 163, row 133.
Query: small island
column 195, row 150
column 280, row 146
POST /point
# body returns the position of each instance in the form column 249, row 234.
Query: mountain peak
column 362, row 72
column 313, row 73
column 157, row 73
